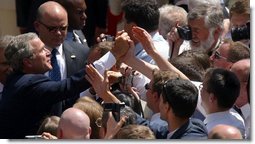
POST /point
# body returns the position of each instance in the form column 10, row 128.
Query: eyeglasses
column 217, row 55
column 98, row 122
column 54, row 29
column 147, row 87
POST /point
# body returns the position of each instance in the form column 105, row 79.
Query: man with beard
column 206, row 25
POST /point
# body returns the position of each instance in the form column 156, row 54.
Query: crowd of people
column 173, row 70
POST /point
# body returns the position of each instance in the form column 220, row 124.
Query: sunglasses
column 217, row 55
column 54, row 28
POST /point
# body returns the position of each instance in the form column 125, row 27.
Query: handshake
column 122, row 43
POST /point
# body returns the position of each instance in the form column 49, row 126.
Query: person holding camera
column 204, row 30
column 240, row 21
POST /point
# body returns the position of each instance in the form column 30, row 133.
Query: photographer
column 205, row 25
column 240, row 21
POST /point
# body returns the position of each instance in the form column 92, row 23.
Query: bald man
column 242, row 70
column 74, row 124
column 224, row 132
column 52, row 24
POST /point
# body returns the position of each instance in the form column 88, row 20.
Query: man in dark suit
column 178, row 102
column 76, row 20
column 28, row 94
column 51, row 25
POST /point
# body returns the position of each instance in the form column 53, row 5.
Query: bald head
column 225, row 132
column 51, row 23
column 242, row 69
column 50, row 9
column 74, row 124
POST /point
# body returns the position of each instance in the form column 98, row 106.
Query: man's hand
column 121, row 45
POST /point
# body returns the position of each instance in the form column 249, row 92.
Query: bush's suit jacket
column 28, row 98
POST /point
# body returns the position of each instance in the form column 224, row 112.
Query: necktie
column 54, row 74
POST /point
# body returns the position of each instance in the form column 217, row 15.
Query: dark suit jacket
column 28, row 98
column 82, row 37
column 159, row 131
column 194, row 129
column 75, row 57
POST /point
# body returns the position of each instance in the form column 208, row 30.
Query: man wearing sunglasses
column 228, row 53
column 69, row 57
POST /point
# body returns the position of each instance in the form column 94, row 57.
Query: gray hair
column 5, row 40
column 169, row 15
column 194, row 3
column 18, row 49
column 212, row 14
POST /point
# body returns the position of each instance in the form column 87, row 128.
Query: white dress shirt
column 102, row 64
column 226, row 117
column 61, row 62
column 246, row 111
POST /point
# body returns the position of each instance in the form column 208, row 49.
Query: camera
column 241, row 33
column 184, row 32
column 114, row 108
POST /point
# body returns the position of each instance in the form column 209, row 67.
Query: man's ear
column 212, row 98
column 27, row 62
column 36, row 25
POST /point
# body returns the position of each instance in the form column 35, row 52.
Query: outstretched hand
column 145, row 38
column 96, row 80
column 121, row 45
column 100, row 84
column 113, row 127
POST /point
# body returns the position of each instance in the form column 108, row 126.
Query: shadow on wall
column 8, row 18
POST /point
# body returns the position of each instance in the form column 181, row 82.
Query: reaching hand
column 96, row 80
column 113, row 127
column 121, row 45
column 100, row 84
column 145, row 38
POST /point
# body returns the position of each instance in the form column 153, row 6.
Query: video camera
column 241, row 33
column 184, row 32
column 114, row 108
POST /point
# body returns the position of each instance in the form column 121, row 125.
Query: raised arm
column 144, row 37
column 100, row 84
column 137, row 64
